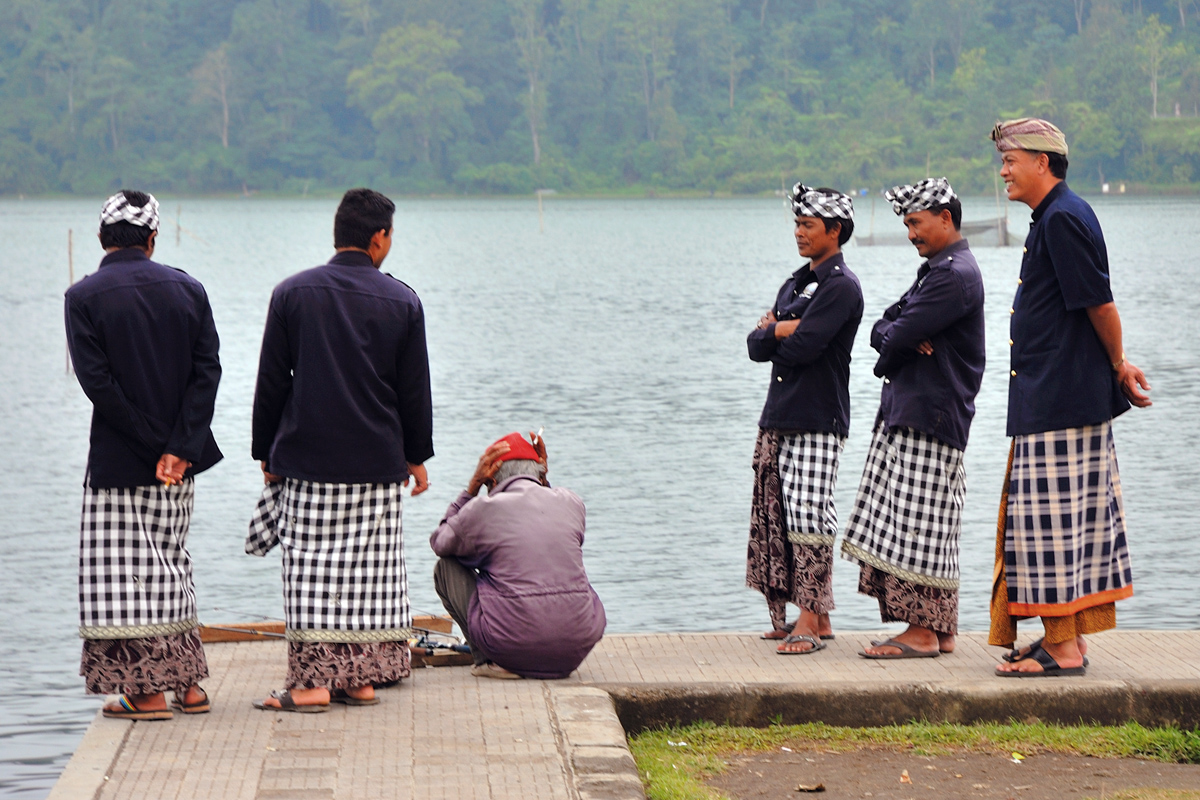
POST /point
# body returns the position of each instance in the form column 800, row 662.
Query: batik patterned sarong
column 135, row 572
column 907, row 516
column 1064, row 543
column 343, row 568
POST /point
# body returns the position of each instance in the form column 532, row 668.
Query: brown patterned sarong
column 143, row 666
column 781, row 570
column 912, row 603
column 338, row 665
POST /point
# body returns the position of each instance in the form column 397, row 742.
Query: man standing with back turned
column 342, row 418
column 807, row 336
column 145, row 351
column 904, row 530
column 1061, row 552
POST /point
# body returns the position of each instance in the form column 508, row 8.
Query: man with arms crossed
column 1061, row 552
column 342, row 418
column 144, row 346
column 904, row 530
column 807, row 337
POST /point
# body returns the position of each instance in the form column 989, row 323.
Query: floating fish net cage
column 982, row 233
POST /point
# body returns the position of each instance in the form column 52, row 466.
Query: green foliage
column 508, row 96
column 674, row 762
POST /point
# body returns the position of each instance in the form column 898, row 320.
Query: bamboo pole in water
column 541, row 218
column 70, row 279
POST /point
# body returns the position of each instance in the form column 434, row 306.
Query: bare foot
column 809, row 624
column 824, row 628
column 305, row 697
column 1066, row 654
column 192, row 696
column 358, row 692
column 922, row 639
column 946, row 642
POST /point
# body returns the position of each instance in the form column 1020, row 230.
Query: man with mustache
column 904, row 530
column 807, row 336
column 1061, row 552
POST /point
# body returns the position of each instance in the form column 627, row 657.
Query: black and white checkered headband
column 810, row 202
column 921, row 196
column 118, row 209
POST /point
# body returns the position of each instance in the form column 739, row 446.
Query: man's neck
column 1045, row 190
column 366, row 253
column 820, row 258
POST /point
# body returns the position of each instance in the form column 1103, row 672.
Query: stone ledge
column 595, row 751
column 1168, row 703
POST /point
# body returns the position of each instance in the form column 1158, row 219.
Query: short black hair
column 125, row 234
column 360, row 215
column 1057, row 162
column 955, row 209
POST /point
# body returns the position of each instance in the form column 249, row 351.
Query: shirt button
column 1019, row 281
column 779, row 378
column 1013, row 373
column 886, row 380
column 1024, row 249
column 1010, row 342
column 1012, row 311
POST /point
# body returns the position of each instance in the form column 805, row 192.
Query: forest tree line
column 507, row 96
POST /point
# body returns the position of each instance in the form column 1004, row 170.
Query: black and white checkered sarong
column 343, row 559
column 808, row 468
column 135, row 572
column 1064, row 543
column 907, row 516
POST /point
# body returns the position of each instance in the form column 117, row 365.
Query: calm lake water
column 621, row 329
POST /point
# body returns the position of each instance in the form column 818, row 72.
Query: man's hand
column 1130, row 378
column 170, row 469
column 786, row 328
column 269, row 477
column 485, row 470
column 418, row 478
column 766, row 320
column 925, row 348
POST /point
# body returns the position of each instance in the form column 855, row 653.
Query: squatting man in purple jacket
column 511, row 571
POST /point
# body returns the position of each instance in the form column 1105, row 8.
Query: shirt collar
column 822, row 271
column 352, row 258
column 946, row 254
column 124, row 254
column 1048, row 199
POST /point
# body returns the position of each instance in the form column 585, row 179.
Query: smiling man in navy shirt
column 807, row 337
column 1063, row 554
column 905, row 527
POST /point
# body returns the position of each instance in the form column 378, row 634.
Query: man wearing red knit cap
column 511, row 571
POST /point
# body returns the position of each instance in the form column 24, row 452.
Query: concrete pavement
column 445, row 734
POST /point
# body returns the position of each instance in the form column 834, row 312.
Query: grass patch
column 675, row 772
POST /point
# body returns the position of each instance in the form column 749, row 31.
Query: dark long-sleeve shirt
column 144, row 348
column 534, row 611
column 810, row 369
column 343, row 377
column 934, row 394
column 1059, row 372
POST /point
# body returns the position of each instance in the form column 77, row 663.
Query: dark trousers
column 455, row 584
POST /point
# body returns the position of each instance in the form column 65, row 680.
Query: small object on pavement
column 815, row 787
column 677, row 744
column 1017, row 758
column 904, row 777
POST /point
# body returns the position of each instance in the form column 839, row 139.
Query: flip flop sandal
column 1050, row 667
column 345, row 698
column 905, row 651
column 816, row 643
column 286, row 703
column 199, row 707
column 128, row 710
column 787, row 630
column 881, row 642
column 1015, row 655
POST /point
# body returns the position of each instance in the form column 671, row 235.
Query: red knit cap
column 519, row 447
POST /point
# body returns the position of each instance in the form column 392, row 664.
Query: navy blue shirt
column 934, row 394
column 144, row 347
column 343, row 377
column 1059, row 372
column 810, row 370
